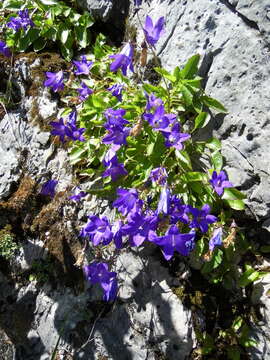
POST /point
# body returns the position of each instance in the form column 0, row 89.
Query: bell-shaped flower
column 117, row 234
column 59, row 129
column 115, row 118
column 98, row 230
column 116, row 135
column 123, row 60
column 116, row 90
column 220, row 182
column 173, row 241
column 126, row 200
column 202, row 218
column 79, row 194
column 178, row 211
column 4, row 49
column 159, row 175
column 115, row 170
column 55, row 80
column 164, row 201
column 153, row 32
column 75, row 133
column 84, row 91
column 152, row 102
column 48, row 189
column 138, row 227
column 158, row 120
column 83, row 66
column 216, row 239
column 98, row 273
column 175, row 138
column 22, row 21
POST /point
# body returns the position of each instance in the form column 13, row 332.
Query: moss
column 62, row 243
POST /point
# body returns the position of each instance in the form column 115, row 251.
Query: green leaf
column 86, row 20
column 233, row 194
column 67, row 52
column 201, row 120
column 237, row 323
column 217, row 160
column 195, row 176
column 249, row 276
column 98, row 102
column 236, row 204
column 82, row 36
column 213, row 103
column 49, row 2
column 213, row 144
column 265, row 249
column 215, row 261
column 39, row 44
column 29, row 37
column 191, row 67
column 184, row 158
column 187, row 95
column 76, row 155
column 165, row 73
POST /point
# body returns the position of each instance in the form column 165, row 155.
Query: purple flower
column 126, row 201
column 4, row 49
column 216, row 239
column 75, row 133
column 139, row 226
column 164, row 201
column 173, row 240
column 153, row 32
column 219, row 182
column 123, row 60
column 115, row 118
column 78, row 195
column 158, row 120
column 73, row 117
column 22, row 21
column 152, row 101
column 117, row 136
column 174, row 138
column 159, row 175
column 116, row 91
column 115, row 171
column 48, row 188
column 98, row 273
column 117, row 234
column 110, row 156
column 83, row 66
column 202, row 218
column 137, row 3
column 98, row 230
column 178, row 211
column 84, row 91
column 55, row 80
column 59, row 129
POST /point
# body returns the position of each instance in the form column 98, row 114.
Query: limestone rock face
column 232, row 38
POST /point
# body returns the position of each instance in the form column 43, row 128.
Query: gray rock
column 100, row 9
column 261, row 331
column 235, row 64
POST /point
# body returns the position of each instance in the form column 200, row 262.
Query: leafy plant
column 8, row 246
column 54, row 23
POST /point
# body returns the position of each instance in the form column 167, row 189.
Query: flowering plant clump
column 41, row 23
column 139, row 142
